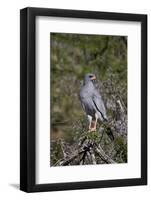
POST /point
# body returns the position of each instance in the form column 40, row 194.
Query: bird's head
column 89, row 77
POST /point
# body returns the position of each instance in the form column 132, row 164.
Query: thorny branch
column 88, row 149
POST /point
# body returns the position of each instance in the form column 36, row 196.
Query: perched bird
column 92, row 104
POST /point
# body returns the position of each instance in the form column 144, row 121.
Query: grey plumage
column 92, row 102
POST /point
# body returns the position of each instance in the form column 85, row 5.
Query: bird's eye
column 90, row 76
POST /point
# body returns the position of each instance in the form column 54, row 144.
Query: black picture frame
column 28, row 98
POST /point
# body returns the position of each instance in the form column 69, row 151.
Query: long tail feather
column 110, row 133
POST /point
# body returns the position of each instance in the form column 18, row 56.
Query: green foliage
column 57, row 152
column 121, row 150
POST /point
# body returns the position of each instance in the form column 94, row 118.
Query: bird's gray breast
column 92, row 101
column 86, row 94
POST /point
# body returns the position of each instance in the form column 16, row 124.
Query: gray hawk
column 93, row 104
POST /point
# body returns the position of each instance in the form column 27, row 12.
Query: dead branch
column 103, row 156
column 93, row 157
column 69, row 160
column 88, row 150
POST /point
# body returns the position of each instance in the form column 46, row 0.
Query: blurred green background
column 72, row 56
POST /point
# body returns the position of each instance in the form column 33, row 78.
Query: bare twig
column 73, row 157
column 93, row 157
column 83, row 158
column 62, row 148
column 102, row 155
column 89, row 149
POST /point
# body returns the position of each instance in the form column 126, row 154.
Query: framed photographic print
column 83, row 99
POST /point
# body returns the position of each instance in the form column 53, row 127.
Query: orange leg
column 90, row 121
column 93, row 125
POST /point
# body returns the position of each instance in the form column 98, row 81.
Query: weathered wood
column 93, row 157
column 103, row 156
column 67, row 161
column 88, row 148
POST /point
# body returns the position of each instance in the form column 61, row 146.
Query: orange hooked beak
column 93, row 78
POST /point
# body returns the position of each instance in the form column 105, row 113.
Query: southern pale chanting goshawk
column 92, row 104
